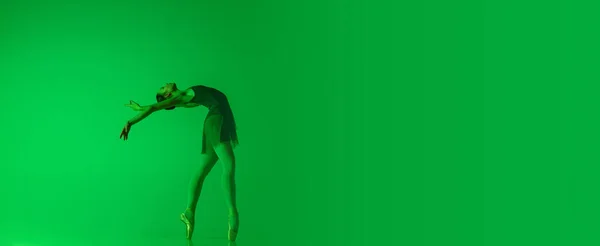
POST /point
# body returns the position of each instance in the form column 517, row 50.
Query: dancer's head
column 166, row 92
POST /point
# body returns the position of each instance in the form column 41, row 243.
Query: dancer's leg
column 225, row 154
column 207, row 162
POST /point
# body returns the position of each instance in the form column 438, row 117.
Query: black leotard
column 219, row 125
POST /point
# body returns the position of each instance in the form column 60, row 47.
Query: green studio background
column 360, row 122
column 296, row 75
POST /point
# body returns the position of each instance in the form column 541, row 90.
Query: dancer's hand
column 133, row 105
column 125, row 131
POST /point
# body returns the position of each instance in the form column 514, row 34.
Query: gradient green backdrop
column 361, row 122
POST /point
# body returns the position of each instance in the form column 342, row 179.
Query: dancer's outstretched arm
column 145, row 111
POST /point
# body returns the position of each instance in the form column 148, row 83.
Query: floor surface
column 125, row 242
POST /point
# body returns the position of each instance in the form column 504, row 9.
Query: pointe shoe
column 233, row 227
column 232, row 234
column 189, row 224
